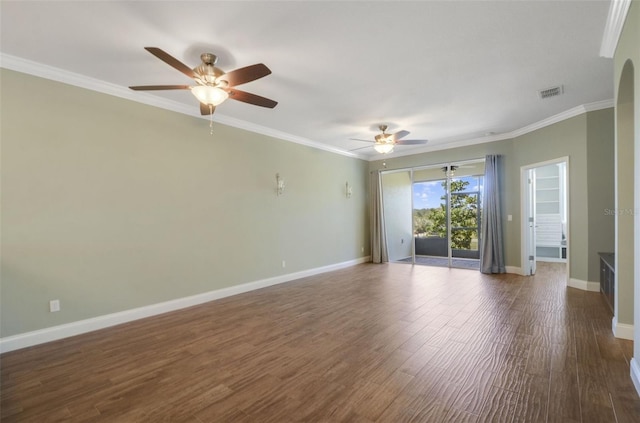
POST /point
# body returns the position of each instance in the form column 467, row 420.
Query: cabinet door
column 603, row 277
column 611, row 286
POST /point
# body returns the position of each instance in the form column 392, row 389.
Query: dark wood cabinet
column 607, row 278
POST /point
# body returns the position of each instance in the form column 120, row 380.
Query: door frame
column 525, row 198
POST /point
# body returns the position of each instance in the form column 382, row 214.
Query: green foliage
column 464, row 214
column 422, row 222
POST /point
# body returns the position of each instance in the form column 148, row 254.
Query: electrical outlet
column 284, row 264
column 54, row 305
column 362, row 249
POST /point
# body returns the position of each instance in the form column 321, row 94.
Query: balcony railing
column 438, row 247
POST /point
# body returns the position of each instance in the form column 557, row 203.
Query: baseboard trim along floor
column 28, row 339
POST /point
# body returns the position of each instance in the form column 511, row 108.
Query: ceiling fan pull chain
column 211, row 119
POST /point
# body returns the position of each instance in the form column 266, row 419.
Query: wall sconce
column 279, row 185
column 348, row 190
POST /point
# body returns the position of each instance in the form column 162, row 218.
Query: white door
column 531, row 219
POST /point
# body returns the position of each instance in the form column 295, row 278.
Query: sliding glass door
column 444, row 216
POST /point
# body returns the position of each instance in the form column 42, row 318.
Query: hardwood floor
column 371, row 343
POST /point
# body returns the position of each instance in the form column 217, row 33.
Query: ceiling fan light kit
column 383, row 147
column 384, row 143
column 211, row 96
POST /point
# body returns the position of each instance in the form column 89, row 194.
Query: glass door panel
column 430, row 224
column 466, row 184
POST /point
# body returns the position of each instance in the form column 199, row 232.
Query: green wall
column 563, row 139
column 572, row 138
column 600, row 187
column 109, row 205
column 627, row 165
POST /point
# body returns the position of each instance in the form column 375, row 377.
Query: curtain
column 492, row 250
column 378, row 232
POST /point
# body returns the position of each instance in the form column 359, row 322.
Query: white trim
column 49, row 72
column 23, row 340
column 621, row 330
column 567, row 114
column 515, row 270
column 635, row 374
column 618, row 10
column 584, row 285
column 524, row 224
column 55, row 74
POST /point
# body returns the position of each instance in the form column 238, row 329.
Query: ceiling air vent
column 551, row 92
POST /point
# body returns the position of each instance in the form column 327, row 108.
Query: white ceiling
column 448, row 71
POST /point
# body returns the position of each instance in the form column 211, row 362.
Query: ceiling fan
column 212, row 84
column 384, row 143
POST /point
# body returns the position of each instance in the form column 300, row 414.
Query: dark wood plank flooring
column 371, row 343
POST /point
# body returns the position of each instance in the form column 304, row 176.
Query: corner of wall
column 514, row 270
column 622, row 330
column 584, row 285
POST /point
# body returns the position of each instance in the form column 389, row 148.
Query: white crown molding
column 599, row 105
column 567, row 114
column 618, row 10
column 28, row 339
column 55, row 74
column 49, row 72
column 243, row 124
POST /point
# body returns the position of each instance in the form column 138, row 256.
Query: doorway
column 433, row 214
column 545, row 216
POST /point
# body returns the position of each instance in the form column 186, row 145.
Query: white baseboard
column 635, row 374
column 28, row 339
column 621, row 330
column 584, row 285
column 514, row 270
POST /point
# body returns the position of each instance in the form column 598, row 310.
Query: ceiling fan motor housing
column 207, row 71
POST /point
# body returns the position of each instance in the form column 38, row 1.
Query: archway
column 625, row 206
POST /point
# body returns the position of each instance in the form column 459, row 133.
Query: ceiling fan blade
column 358, row 139
column 205, row 109
column 400, row 134
column 256, row 100
column 411, row 142
column 159, row 87
column 246, row 74
column 171, row 61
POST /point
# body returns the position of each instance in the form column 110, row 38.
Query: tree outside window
column 464, row 215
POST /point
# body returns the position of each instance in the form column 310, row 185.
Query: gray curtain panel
column 492, row 249
column 378, row 233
